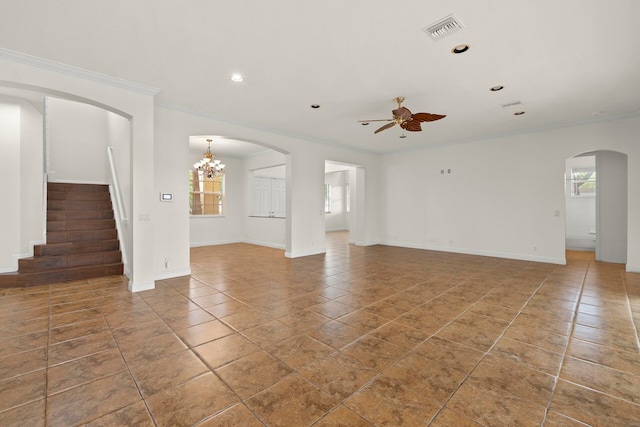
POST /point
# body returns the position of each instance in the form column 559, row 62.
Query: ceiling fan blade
column 427, row 117
column 411, row 126
column 387, row 126
column 377, row 120
column 402, row 112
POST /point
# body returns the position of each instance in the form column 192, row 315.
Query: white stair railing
column 116, row 196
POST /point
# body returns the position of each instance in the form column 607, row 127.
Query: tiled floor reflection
column 359, row 336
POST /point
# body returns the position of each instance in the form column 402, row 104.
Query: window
column 206, row 195
column 327, row 198
column 583, row 182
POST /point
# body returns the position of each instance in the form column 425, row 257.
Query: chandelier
column 209, row 166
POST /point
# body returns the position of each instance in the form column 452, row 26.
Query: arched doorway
column 596, row 204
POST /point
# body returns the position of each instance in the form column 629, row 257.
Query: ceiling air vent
column 443, row 27
column 512, row 104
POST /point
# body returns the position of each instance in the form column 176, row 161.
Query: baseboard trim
column 493, row 254
column 632, row 268
column 267, row 244
column 141, row 286
column 306, row 253
column 214, row 243
column 170, row 274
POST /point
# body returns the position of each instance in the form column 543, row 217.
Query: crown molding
column 70, row 70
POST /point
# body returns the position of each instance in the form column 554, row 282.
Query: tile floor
column 357, row 337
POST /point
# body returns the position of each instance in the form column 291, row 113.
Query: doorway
column 596, row 205
column 344, row 200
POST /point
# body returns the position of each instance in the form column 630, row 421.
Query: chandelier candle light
column 209, row 165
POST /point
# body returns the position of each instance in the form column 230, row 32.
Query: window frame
column 202, row 181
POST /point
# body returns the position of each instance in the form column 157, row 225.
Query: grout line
column 564, row 353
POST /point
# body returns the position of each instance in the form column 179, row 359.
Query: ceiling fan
column 403, row 117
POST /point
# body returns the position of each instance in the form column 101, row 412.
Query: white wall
column 501, row 195
column 9, row 171
column 580, row 211
column 32, row 223
column 337, row 219
column 78, row 140
column 612, row 207
column 21, row 165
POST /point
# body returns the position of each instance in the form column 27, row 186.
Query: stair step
column 82, row 240
column 83, row 205
column 54, row 262
column 62, row 215
column 75, row 247
column 80, row 195
column 81, row 236
column 86, row 224
column 9, row 280
column 76, row 188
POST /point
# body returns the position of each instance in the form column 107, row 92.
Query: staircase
column 82, row 240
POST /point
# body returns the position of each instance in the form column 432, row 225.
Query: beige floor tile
column 534, row 357
column 136, row 414
column 237, row 415
column 155, row 376
column 84, row 370
column 23, row 363
column 387, row 402
column 30, row 414
column 491, row 406
column 91, row 400
column 291, row 402
column 189, row 403
column 592, row 407
column 204, row 332
column 515, row 378
column 225, row 350
column 601, row 378
column 299, row 351
column 341, row 417
column 253, row 373
column 338, row 375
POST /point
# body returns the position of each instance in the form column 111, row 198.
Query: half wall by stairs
column 82, row 240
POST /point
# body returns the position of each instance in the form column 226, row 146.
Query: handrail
column 116, row 196
column 116, row 186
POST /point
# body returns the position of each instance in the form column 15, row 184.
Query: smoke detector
column 443, row 27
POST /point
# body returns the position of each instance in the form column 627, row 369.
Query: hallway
column 358, row 336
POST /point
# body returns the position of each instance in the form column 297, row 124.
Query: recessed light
column 365, row 124
column 518, row 113
column 461, row 48
column 496, row 88
column 403, row 136
column 315, row 106
column 237, row 77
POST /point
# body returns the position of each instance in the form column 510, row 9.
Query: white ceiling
column 567, row 62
